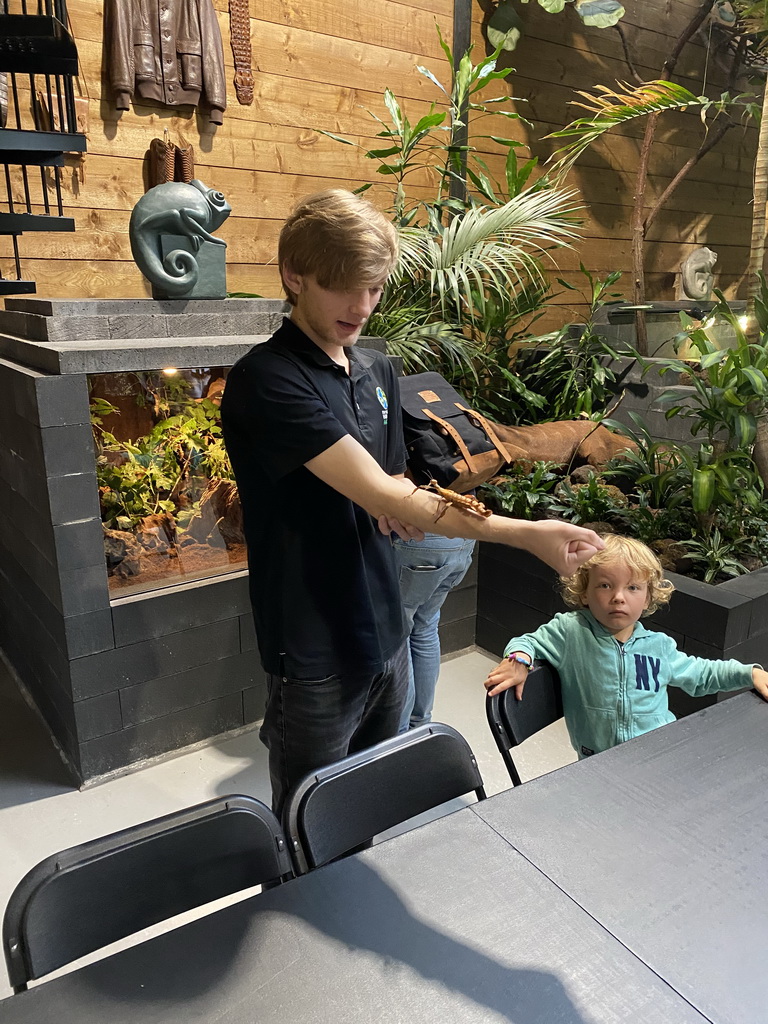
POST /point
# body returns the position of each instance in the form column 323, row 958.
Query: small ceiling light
column 170, row 371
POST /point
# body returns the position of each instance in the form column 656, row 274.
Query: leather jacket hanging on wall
column 168, row 51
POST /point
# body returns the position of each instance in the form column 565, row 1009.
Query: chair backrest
column 336, row 809
column 86, row 897
column 513, row 721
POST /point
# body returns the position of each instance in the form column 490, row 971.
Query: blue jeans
column 428, row 571
column 310, row 723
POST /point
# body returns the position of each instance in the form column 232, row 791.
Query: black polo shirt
column 323, row 581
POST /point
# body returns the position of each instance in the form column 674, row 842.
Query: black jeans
column 310, row 723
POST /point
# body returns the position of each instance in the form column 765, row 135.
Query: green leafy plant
column 653, row 468
column 706, row 479
column 591, row 502
column 727, row 398
column 649, row 523
column 574, row 376
column 495, row 388
column 526, row 494
column 725, row 389
column 164, row 471
column 716, row 556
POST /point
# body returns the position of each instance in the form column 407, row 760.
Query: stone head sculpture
column 172, row 241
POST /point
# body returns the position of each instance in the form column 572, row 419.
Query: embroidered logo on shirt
column 381, row 395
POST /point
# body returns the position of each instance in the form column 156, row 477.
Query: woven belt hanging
column 184, row 168
column 240, row 35
column 162, row 154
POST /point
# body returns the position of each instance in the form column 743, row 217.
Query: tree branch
column 691, row 28
column 633, row 71
column 713, row 140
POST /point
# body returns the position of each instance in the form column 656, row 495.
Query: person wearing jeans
column 428, row 570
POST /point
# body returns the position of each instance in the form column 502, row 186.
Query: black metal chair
column 337, row 809
column 84, row 898
column 513, row 721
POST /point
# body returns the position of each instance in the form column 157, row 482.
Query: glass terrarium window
column 169, row 506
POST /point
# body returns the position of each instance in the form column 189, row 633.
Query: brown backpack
column 445, row 439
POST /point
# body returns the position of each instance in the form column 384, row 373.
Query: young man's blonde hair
column 639, row 559
column 339, row 238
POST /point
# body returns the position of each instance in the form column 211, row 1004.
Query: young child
column 614, row 672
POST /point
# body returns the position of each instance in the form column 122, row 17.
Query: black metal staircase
column 38, row 55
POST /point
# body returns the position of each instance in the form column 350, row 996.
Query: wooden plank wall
column 324, row 64
column 712, row 207
column 317, row 64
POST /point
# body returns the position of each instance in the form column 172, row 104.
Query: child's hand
column 511, row 673
column 759, row 681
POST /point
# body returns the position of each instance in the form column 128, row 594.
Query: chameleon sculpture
column 175, row 208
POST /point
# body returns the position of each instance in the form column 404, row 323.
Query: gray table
column 445, row 925
column 664, row 841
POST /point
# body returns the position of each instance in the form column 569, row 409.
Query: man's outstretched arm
column 348, row 468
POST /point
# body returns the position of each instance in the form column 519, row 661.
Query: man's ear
column 291, row 278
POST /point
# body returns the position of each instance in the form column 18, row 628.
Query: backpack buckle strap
column 492, row 435
column 450, row 429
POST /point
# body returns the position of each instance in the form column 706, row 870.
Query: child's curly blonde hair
column 637, row 556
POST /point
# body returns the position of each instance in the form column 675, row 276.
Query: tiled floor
column 41, row 812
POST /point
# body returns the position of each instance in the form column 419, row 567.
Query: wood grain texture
column 323, row 65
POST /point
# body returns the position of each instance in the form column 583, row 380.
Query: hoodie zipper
column 621, row 710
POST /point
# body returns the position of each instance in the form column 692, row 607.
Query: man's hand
column 405, row 531
column 562, row 546
column 760, row 682
column 507, row 673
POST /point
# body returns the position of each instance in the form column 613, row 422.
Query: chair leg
column 513, row 772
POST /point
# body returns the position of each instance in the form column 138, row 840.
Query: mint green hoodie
column 612, row 692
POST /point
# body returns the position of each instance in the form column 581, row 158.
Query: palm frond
column 424, row 344
column 499, row 244
column 752, row 20
column 612, row 107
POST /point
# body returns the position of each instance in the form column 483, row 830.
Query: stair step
column 16, row 223
column 36, row 44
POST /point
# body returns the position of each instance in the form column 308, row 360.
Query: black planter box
column 517, row 593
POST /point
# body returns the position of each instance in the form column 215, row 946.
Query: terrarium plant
column 164, row 471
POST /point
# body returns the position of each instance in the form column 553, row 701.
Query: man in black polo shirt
column 312, row 426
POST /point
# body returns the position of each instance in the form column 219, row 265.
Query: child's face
column 616, row 597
